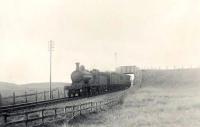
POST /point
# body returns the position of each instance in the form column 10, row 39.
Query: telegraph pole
column 51, row 46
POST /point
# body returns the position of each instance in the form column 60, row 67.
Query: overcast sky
column 142, row 32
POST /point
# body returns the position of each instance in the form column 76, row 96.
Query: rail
column 44, row 116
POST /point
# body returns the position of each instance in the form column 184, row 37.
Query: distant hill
column 44, row 85
column 7, row 89
column 171, row 77
column 7, row 86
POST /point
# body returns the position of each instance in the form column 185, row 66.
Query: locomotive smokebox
column 80, row 74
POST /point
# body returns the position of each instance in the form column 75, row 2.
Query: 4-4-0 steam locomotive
column 89, row 83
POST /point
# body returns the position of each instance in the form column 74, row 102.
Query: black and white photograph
column 99, row 63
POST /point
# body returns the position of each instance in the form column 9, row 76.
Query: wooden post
column 26, row 97
column 80, row 108
column 73, row 111
column 58, row 93
column 36, row 96
column 26, row 118
column 44, row 96
column 1, row 103
column 91, row 106
column 65, row 110
column 43, row 116
column 96, row 106
column 55, row 112
column 52, row 94
column 100, row 105
column 13, row 98
column 5, row 118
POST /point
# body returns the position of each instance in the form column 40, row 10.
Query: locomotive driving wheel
column 71, row 93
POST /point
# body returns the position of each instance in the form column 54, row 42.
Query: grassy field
column 151, row 106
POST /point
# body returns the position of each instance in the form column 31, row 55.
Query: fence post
column 13, row 98
column 73, row 111
column 65, row 110
column 58, row 93
column 55, row 112
column 1, row 103
column 52, row 94
column 26, row 97
column 96, row 107
column 100, row 103
column 44, row 96
column 91, row 106
column 43, row 116
column 26, row 118
column 36, row 96
column 5, row 118
column 80, row 108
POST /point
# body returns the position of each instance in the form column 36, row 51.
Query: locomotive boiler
column 89, row 83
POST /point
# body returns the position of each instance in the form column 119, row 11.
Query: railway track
column 11, row 108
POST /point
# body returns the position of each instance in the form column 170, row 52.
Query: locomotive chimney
column 77, row 66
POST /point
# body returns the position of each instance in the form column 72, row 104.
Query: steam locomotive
column 89, row 83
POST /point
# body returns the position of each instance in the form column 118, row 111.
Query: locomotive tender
column 89, row 83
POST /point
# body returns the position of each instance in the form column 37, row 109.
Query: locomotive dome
column 82, row 68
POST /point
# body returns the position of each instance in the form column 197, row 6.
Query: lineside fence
column 46, row 116
column 30, row 97
column 170, row 68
